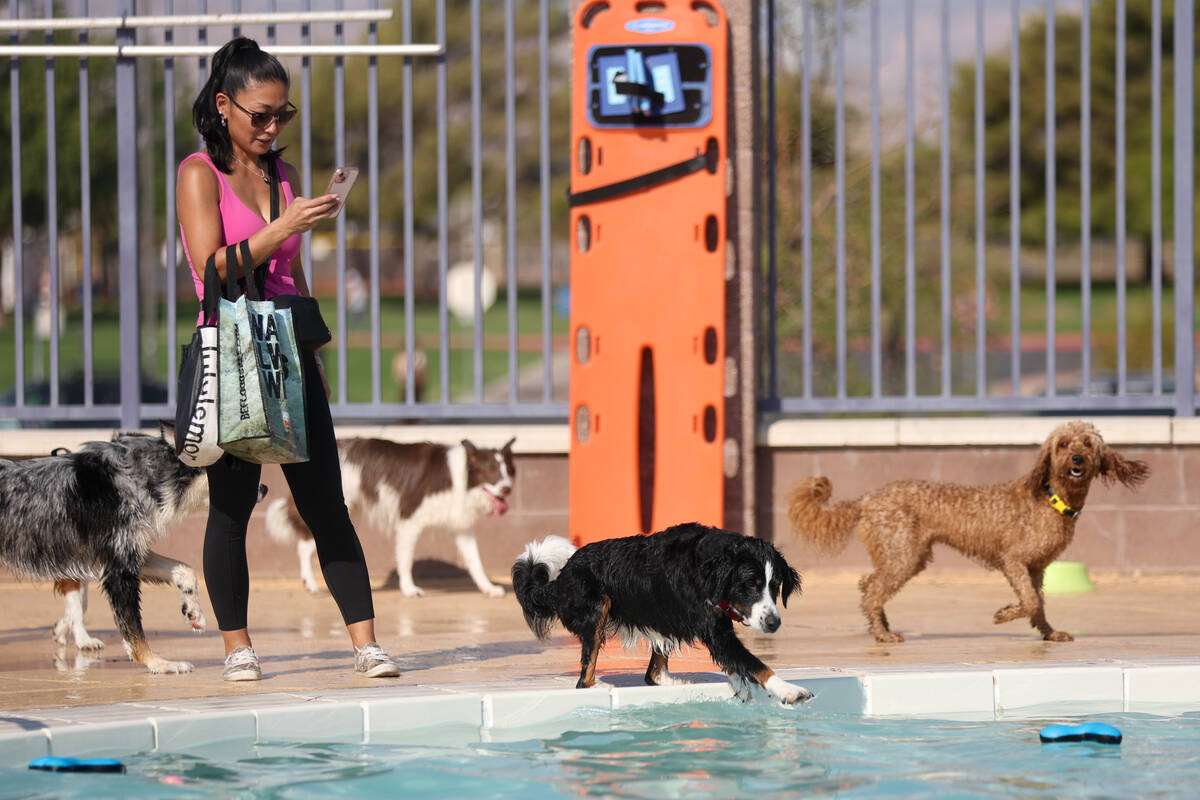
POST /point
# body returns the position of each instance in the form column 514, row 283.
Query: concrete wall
column 1152, row 529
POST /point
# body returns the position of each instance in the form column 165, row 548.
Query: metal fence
column 921, row 251
column 453, row 114
column 949, row 214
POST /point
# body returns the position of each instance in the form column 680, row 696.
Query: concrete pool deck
column 456, row 640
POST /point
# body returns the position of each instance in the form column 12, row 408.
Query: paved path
column 456, row 636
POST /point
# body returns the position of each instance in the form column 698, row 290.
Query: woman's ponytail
column 237, row 64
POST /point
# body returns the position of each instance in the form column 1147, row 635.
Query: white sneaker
column 242, row 665
column 371, row 661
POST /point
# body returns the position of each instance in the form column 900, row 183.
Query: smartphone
column 340, row 184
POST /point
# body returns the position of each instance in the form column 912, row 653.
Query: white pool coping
column 951, row 691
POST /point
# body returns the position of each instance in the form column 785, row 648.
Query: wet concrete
column 455, row 636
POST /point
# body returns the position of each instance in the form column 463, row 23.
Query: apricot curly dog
column 1016, row 527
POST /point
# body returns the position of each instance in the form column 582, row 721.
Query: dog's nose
column 506, row 489
column 1076, row 460
column 771, row 623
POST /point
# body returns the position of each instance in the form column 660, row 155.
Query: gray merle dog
column 95, row 514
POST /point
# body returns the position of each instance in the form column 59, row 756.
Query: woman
column 224, row 197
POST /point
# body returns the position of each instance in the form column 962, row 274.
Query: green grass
column 161, row 366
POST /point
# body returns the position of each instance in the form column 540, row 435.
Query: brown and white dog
column 405, row 488
column 1017, row 527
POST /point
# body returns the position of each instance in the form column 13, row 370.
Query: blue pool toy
column 1086, row 732
column 60, row 764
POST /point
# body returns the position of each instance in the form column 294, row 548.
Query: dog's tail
column 280, row 524
column 811, row 516
column 533, row 576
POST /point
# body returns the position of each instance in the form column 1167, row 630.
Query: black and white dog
column 406, row 488
column 686, row 584
column 95, row 514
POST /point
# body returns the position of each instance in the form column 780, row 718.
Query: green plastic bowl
column 1067, row 577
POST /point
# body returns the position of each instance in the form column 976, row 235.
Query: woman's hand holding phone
column 303, row 213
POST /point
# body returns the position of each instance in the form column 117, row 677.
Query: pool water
column 712, row 749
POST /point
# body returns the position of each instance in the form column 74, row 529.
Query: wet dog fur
column 94, row 514
column 407, row 488
column 1011, row 527
column 686, row 584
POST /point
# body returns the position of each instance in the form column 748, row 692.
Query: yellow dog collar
column 1059, row 505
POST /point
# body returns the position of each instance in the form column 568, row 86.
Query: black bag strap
column 673, row 172
column 212, row 291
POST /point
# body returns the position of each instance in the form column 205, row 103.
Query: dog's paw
column 194, row 617
column 60, row 631
column 1007, row 614
column 311, row 586
column 412, row 591
column 1059, row 636
column 493, row 591
column 86, row 642
column 788, row 693
column 160, row 666
column 742, row 688
column 888, row 637
column 667, row 679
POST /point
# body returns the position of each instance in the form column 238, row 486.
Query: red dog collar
column 733, row 613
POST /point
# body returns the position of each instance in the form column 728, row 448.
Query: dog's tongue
column 498, row 504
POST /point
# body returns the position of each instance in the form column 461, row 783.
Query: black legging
column 316, row 488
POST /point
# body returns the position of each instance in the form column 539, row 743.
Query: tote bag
column 261, row 377
column 196, row 417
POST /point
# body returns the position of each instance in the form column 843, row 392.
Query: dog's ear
column 469, row 447
column 508, row 445
column 1041, row 469
column 788, row 576
column 166, row 431
column 1114, row 466
column 715, row 565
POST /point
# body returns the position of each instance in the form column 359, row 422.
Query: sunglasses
column 261, row 119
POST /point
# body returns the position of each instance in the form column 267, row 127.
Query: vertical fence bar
column 306, row 145
column 510, row 195
column 373, row 213
column 1014, row 195
column 544, row 180
column 910, row 233
column 477, row 192
column 1120, row 200
column 52, row 296
column 840, row 169
column 1156, row 193
column 14, row 117
column 170, row 263
column 1085, row 194
column 1051, row 217
column 806, row 199
column 339, row 150
column 772, row 210
column 980, row 211
column 410, row 327
column 127, row 207
column 202, row 62
column 443, row 212
column 876, row 269
column 944, row 160
column 1185, row 207
column 85, row 219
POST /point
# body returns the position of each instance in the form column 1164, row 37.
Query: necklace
column 262, row 173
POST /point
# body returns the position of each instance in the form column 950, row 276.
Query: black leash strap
column 628, row 186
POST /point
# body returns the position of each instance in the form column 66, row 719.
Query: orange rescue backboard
column 648, row 266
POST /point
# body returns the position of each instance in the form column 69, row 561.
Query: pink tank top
column 239, row 222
